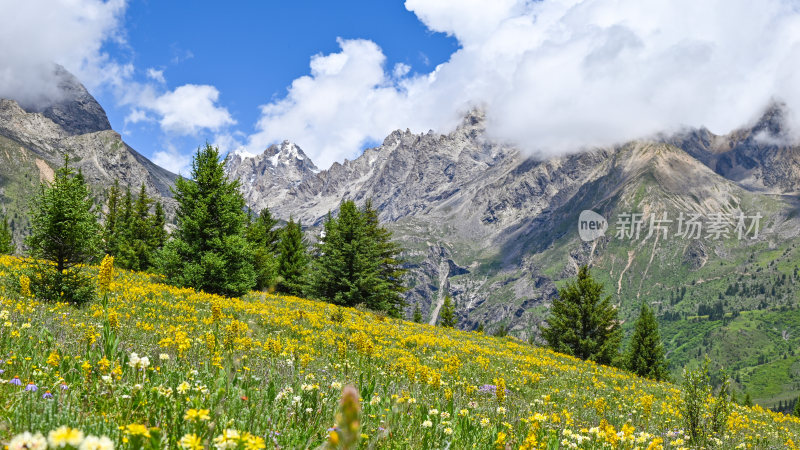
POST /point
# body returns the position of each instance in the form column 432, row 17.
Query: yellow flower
column 63, row 436
column 25, row 286
column 106, row 273
column 53, row 359
column 191, row 442
column 197, row 414
column 135, row 429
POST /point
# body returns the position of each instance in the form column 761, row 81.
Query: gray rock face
column 476, row 216
column 33, row 145
column 76, row 112
column 271, row 177
column 762, row 157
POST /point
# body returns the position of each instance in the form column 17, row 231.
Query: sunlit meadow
column 148, row 365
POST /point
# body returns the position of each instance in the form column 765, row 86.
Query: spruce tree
column 447, row 315
column 388, row 293
column 208, row 250
column 158, row 223
column 417, row 317
column 357, row 263
column 747, row 400
column 64, row 231
column 292, row 260
column 111, row 228
column 263, row 237
column 583, row 323
column 346, row 269
column 137, row 250
column 796, row 410
column 646, row 353
column 6, row 239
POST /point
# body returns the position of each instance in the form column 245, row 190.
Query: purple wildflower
column 64, row 386
column 47, row 395
column 31, row 387
column 16, row 381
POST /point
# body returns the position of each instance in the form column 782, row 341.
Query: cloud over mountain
column 553, row 76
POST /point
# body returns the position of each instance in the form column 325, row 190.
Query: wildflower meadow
column 147, row 365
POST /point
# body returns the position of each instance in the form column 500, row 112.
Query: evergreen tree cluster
column 584, row 324
column 134, row 229
column 357, row 263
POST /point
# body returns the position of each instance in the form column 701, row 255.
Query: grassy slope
column 273, row 366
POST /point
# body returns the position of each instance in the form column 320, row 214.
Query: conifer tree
column 64, row 231
column 6, row 239
column 646, row 353
column 357, row 263
column 583, row 323
column 263, row 237
column 158, row 223
column 796, row 410
column 480, row 328
column 447, row 315
column 747, row 400
column 111, row 225
column 208, row 250
column 417, row 317
column 292, row 260
column 136, row 253
column 346, row 270
column 389, row 292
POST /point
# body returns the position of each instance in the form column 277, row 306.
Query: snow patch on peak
column 244, row 154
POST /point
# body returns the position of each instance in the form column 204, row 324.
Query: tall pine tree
column 263, row 236
column 111, row 225
column 208, row 250
column 357, row 263
column 64, row 231
column 646, row 353
column 447, row 315
column 583, row 323
column 292, row 260
column 389, row 292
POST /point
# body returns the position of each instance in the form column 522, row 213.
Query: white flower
column 144, row 362
column 28, row 441
column 375, row 400
column 433, row 412
column 96, row 443
column 427, row 424
column 485, row 422
column 106, row 379
column 164, row 357
column 501, row 410
column 133, row 361
column 448, row 431
column 183, row 388
column 445, row 415
column 336, row 385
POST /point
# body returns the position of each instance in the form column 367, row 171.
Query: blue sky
column 552, row 76
column 252, row 51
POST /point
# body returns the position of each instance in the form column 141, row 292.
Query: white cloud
column 137, row 115
column 346, row 101
column 156, row 75
column 34, row 34
column 174, row 160
column 553, row 75
column 190, row 108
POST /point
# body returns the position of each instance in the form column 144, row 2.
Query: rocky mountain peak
column 76, row 111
